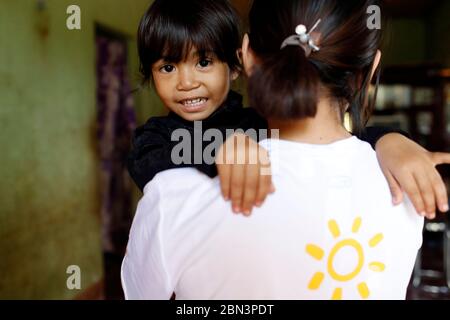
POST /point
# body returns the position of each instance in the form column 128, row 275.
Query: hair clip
column 303, row 39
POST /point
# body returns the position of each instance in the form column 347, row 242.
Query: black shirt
column 152, row 143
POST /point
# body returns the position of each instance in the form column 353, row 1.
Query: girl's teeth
column 195, row 102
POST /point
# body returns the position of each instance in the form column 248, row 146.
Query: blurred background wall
column 418, row 32
column 49, row 181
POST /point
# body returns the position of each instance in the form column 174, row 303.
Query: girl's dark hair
column 285, row 84
column 171, row 28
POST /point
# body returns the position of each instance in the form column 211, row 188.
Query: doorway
column 115, row 125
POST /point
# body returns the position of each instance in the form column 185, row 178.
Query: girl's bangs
column 178, row 43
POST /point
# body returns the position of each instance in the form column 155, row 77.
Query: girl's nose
column 187, row 80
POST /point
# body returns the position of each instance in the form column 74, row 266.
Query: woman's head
column 287, row 83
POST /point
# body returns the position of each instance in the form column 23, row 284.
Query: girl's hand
column 244, row 171
column 409, row 167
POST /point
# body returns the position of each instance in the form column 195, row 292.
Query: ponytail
column 285, row 85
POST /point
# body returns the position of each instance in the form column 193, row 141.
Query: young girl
column 188, row 50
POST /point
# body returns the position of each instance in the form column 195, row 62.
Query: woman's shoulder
column 178, row 182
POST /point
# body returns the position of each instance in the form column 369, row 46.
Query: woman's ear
column 234, row 75
column 248, row 58
column 376, row 63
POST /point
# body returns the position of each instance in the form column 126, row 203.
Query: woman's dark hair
column 171, row 28
column 285, row 84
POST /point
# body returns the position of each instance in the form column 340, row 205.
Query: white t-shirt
column 329, row 231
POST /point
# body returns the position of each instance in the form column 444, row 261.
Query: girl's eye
column 167, row 68
column 204, row 63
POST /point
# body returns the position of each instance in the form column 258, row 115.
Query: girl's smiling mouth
column 194, row 104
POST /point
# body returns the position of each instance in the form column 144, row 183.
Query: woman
column 330, row 230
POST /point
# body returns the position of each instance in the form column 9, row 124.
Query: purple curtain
column 115, row 123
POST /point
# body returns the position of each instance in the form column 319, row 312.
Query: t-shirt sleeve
column 144, row 272
column 406, row 224
column 414, row 224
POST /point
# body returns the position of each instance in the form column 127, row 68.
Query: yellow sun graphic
column 318, row 253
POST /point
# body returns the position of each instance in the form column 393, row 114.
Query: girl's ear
column 248, row 57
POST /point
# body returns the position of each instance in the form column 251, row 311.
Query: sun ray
column 316, row 281
column 377, row 266
column 337, row 294
column 356, row 225
column 376, row 240
column 315, row 251
column 334, row 228
column 363, row 290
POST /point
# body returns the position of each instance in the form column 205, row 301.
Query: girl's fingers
column 440, row 158
column 396, row 190
column 412, row 190
column 440, row 191
column 264, row 188
column 265, row 179
column 237, row 186
column 250, row 188
column 427, row 193
column 224, row 171
column 224, row 167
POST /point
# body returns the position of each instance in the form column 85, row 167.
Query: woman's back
column 330, row 231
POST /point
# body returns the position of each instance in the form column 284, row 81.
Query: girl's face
column 193, row 88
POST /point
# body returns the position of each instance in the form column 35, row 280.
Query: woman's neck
column 325, row 128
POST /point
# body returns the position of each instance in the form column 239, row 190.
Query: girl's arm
column 406, row 165
column 151, row 153
column 410, row 168
column 373, row 134
column 244, row 184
